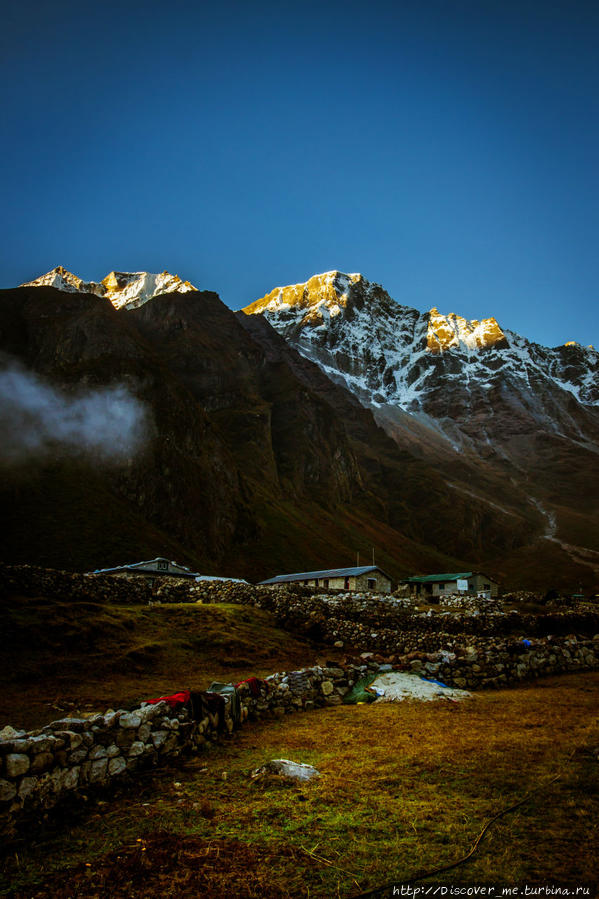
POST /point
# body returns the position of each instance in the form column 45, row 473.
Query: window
column 163, row 566
column 486, row 586
column 442, row 586
column 371, row 583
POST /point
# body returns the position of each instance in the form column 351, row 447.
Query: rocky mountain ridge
column 125, row 290
column 266, row 456
column 483, row 405
column 355, row 330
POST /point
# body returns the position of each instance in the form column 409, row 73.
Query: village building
column 472, row 583
column 161, row 567
column 366, row 578
column 152, row 568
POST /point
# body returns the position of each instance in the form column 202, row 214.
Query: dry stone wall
column 481, row 664
column 473, row 646
column 40, row 769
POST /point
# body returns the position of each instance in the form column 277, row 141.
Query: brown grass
column 60, row 657
column 404, row 788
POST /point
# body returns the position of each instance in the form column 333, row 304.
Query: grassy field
column 60, row 657
column 404, row 788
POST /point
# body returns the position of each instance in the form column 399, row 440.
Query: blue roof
column 328, row 573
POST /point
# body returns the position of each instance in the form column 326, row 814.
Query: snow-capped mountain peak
column 327, row 292
column 125, row 290
column 442, row 368
column 63, row 280
column 447, row 331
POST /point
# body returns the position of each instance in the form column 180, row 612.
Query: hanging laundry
column 175, row 700
column 231, row 696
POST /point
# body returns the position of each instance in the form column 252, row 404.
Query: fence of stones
column 302, row 607
column 42, row 768
column 39, row 769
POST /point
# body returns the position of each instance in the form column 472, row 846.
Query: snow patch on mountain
column 125, row 290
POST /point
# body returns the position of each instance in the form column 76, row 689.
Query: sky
column 446, row 149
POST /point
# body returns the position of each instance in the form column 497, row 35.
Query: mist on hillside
column 38, row 419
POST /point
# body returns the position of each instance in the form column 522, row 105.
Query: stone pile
column 377, row 620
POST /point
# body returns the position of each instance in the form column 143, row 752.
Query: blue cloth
column 432, row 680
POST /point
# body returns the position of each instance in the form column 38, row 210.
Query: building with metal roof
column 151, row 568
column 161, row 567
column 471, row 582
column 363, row 578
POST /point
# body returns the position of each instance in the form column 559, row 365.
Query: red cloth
column 253, row 683
column 174, row 700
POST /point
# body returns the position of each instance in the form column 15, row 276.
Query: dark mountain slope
column 255, row 462
column 245, row 471
column 414, row 497
column 77, row 340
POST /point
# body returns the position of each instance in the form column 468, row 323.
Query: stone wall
column 40, row 769
column 383, row 623
column 30, row 580
column 482, row 664
column 475, row 645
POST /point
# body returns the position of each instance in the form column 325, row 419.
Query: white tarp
column 397, row 685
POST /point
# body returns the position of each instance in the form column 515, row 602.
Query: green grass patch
column 404, row 788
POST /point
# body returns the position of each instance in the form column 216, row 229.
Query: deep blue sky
column 447, row 150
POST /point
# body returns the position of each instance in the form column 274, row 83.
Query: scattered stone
column 285, row 768
column 9, row 733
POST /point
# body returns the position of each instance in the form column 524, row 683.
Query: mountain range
column 322, row 420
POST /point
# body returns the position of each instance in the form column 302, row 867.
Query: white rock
column 296, row 770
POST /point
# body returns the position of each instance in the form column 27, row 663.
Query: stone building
column 468, row 582
column 158, row 567
column 366, row 578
